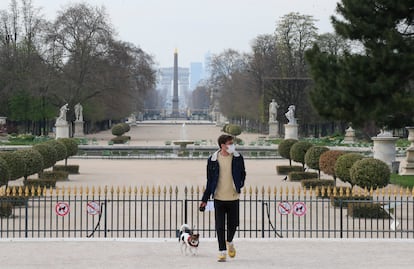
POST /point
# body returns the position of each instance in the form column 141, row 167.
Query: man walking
column 225, row 178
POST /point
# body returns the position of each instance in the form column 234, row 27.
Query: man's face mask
column 231, row 148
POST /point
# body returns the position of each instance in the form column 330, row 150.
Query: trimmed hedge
column 120, row 139
column 33, row 160
column 6, row 209
column 59, row 148
column 297, row 176
column 56, row 175
column 286, row 169
column 307, row 183
column 42, row 183
column 343, row 166
column 312, row 156
column 14, row 200
column 48, row 153
column 118, row 130
column 367, row 210
column 284, row 148
column 370, row 173
column 327, row 161
column 71, row 169
column 335, row 201
column 4, row 172
column 71, row 146
column 15, row 163
column 298, row 151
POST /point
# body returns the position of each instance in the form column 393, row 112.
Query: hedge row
column 26, row 162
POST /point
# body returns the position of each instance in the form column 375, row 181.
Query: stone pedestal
column 78, row 129
column 407, row 165
column 273, row 129
column 384, row 148
column 62, row 129
column 291, row 131
column 349, row 136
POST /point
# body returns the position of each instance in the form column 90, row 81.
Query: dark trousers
column 226, row 211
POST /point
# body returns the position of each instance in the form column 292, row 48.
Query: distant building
column 165, row 85
column 207, row 68
column 196, row 74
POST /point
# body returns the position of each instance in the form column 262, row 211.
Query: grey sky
column 195, row 26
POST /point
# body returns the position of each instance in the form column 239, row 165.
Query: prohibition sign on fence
column 93, row 208
column 299, row 209
column 284, row 208
column 62, row 208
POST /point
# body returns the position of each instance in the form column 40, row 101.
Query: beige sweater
column 225, row 190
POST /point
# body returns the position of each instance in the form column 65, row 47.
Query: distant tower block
column 175, row 111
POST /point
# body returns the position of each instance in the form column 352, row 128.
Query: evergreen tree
column 374, row 83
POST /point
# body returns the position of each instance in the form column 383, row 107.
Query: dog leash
column 98, row 224
column 270, row 222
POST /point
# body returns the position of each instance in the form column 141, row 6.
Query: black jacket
column 237, row 168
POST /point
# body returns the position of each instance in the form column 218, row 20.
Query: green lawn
column 404, row 181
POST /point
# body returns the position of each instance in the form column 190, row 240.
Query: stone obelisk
column 175, row 111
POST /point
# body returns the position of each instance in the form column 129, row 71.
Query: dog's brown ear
column 197, row 235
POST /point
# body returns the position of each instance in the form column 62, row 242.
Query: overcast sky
column 195, row 27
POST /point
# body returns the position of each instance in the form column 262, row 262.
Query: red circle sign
column 284, row 208
column 62, row 208
column 299, row 209
column 93, row 208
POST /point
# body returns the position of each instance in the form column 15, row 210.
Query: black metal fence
column 160, row 211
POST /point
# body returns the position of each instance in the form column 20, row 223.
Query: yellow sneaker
column 231, row 250
column 222, row 256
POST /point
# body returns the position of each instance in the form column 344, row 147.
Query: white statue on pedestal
column 290, row 115
column 273, row 111
column 78, row 112
column 62, row 114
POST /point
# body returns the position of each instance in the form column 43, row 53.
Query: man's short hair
column 223, row 139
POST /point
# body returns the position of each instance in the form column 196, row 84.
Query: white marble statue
column 62, row 113
column 290, row 115
column 273, row 111
column 78, row 112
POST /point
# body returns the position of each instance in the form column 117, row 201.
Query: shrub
column 297, row 176
column 120, row 139
column 367, row 210
column 284, row 148
column 14, row 200
column 42, row 183
column 71, row 147
column 4, row 172
column 15, row 163
column 233, row 129
column 33, row 162
column 344, row 164
column 48, row 154
column 336, row 200
column 286, row 169
column 126, row 127
column 298, row 151
column 71, row 169
column 56, row 175
column 327, row 162
column 118, row 129
column 312, row 157
column 307, row 183
column 370, row 173
column 6, row 209
column 60, row 149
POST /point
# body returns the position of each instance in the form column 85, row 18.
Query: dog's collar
column 189, row 242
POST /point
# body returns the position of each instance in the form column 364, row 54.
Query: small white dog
column 188, row 240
